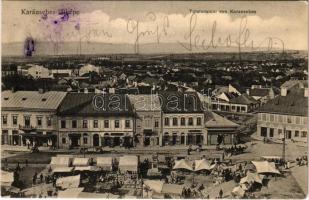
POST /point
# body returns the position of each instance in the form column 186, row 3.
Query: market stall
column 60, row 161
column 128, row 164
column 68, row 182
column 105, row 163
column 81, row 161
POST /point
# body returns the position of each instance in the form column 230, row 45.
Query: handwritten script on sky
column 193, row 31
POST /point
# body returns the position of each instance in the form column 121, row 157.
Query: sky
column 283, row 23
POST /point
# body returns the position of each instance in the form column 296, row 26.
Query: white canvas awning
column 68, row 182
column 37, row 190
column 153, row 185
column 265, row 167
column 252, row 177
column 7, row 178
column 182, row 164
column 105, row 163
column 86, row 168
column 60, row 161
column 238, row 191
column 128, row 163
column 62, row 169
column 81, row 161
column 203, row 165
column 70, row 193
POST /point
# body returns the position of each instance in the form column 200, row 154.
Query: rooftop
column 244, row 99
column 145, row 102
column 90, row 104
column 31, row 100
column 294, row 103
column 178, row 102
column 214, row 120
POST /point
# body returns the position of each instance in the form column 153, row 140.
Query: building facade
column 92, row 120
column 29, row 117
column 148, row 127
column 285, row 116
column 182, row 120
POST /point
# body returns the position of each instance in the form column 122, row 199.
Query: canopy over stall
column 81, row 161
column 203, row 165
column 183, row 164
column 153, row 185
column 7, row 178
column 86, row 168
column 37, row 190
column 105, row 163
column 62, row 169
column 252, row 177
column 68, row 182
column 60, row 161
column 128, row 163
column 239, row 192
column 265, row 167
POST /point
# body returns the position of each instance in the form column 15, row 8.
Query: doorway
column 96, row 140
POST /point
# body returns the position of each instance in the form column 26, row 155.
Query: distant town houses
column 286, row 116
column 70, row 120
column 232, row 99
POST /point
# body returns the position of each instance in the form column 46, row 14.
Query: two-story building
column 148, row 119
column 29, row 117
column 183, row 119
column 286, row 115
column 92, row 120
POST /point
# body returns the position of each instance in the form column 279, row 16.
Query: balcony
column 26, row 127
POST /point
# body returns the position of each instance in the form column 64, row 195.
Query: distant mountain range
column 69, row 48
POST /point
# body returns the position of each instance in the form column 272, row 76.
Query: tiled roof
column 83, row 104
column 214, row 120
column 32, row 100
column 145, row 102
column 177, row 102
column 259, row 92
column 244, row 99
column 291, row 83
column 294, row 103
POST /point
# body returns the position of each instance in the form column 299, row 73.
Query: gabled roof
column 294, row 103
column 82, row 104
column 178, row 102
column 31, row 100
column 213, row 120
column 244, row 99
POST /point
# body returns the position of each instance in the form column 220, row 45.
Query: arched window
column 85, row 138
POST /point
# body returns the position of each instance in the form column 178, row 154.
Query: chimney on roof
column 284, row 91
column 41, row 91
column 306, row 92
column 248, row 91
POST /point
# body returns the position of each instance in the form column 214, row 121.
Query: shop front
column 150, row 138
column 222, row 137
column 37, row 139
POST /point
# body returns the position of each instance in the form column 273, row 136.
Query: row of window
column 190, row 121
column 288, row 133
column 64, row 123
column 27, row 120
column 283, row 118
